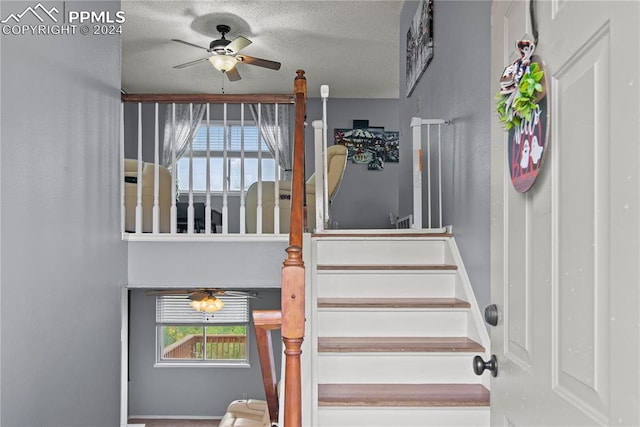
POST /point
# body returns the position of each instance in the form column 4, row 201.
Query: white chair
column 246, row 413
column 336, row 164
column 131, row 196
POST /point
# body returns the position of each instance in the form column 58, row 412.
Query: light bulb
column 223, row 62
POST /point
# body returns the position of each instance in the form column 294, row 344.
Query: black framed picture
column 372, row 147
column 419, row 44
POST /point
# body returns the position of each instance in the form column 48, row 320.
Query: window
column 186, row 337
column 234, row 160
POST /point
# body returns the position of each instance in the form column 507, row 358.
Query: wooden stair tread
column 388, row 267
column 377, row 235
column 405, row 395
column 398, row 345
column 392, row 303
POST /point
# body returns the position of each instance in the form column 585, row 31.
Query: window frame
column 160, row 362
column 230, row 155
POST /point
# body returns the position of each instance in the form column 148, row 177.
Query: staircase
column 394, row 329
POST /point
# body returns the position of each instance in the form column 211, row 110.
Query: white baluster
column 123, row 207
column 242, row 206
column 207, row 209
column 324, row 93
column 276, row 189
column 416, row 125
column 139, row 173
column 190, row 212
column 429, row 174
column 225, row 175
column 174, row 175
column 259, row 206
column 156, row 175
column 440, row 176
column 318, row 143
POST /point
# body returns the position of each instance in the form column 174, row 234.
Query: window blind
column 176, row 309
column 234, row 137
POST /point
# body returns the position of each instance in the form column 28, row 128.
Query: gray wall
column 198, row 391
column 225, row 264
column 365, row 197
column 63, row 261
column 456, row 85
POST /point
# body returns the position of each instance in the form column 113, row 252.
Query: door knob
column 491, row 314
column 480, row 365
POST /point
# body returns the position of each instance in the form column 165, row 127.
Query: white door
column 565, row 255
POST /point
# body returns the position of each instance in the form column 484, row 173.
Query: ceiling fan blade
column 241, row 294
column 233, row 74
column 188, row 64
column 189, row 44
column 170, row 292
column 272, row 65
column 238, row 44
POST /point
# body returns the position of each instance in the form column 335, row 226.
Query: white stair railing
column 433, row 189
column 320, row 173
column 321, row 167
column 174, row 207
column 147, row 215
column 207, row 209
column 156, row 173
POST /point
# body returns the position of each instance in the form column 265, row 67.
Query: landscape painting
column 373, row 147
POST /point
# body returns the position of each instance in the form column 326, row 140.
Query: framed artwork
column 419, row 44
column 372, row 146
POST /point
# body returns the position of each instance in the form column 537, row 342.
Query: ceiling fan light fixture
column 223, row 62
column 209, row 304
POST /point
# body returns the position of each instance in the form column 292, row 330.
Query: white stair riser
column 392, row 323
column 380, row 252
column 355, row 284
column 396, row 368
column 405, row 417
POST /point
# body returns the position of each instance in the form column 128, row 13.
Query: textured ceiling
column 353, row 46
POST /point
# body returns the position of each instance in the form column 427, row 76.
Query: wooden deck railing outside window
column 217, row 347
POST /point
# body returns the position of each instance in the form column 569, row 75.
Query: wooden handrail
column 165, row 98
column 293, row 292
column 265, row 321
column 291, row 319
column 297, row 221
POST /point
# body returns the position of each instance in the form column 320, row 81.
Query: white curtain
column 276, row 135
column 185, row 128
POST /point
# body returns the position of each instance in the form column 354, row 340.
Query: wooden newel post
column 293, row 288
column 293, row 296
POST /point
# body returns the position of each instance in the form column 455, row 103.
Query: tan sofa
column 131, row 196
column 336, row 163
column 246, row 413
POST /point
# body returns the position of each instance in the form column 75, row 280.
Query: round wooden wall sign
column 528, row 141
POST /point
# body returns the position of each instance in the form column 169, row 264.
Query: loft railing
column 150, row 200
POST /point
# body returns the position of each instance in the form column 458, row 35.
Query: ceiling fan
column 204, row 299
column 225, row 54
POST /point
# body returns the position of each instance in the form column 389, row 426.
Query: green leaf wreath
column 524, row 103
